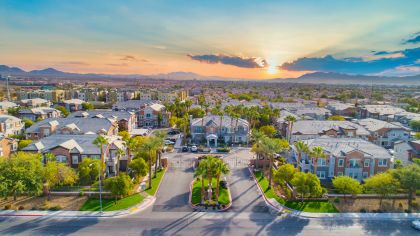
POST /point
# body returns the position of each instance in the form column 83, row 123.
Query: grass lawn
column 112, row 205
column 196, row 192
column 306, row 206
column 155, row 182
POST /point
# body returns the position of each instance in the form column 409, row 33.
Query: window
column 61, row 158
column 366, row 163
column 365, row 175
column 382, row 162
column 322, row 162
column 74, row 159
column 339, row 173
column 148, row 115
column 340, row 162
column 353, row 164
column 321, row 174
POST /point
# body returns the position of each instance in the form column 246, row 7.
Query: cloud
column 356, row 65
column 74, row 63
column 243, row 62
column 117, row 64
column 128, row 58
column 415, row 38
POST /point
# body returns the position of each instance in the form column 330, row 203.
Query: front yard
column 306, row 206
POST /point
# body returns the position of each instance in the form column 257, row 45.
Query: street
column 171, row 215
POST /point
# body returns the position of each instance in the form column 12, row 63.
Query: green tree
column 290, row 121
column 87, row 106
column 285, row 173
column 63, row 110
column 196, row 112
column 201, row 172
column 301, row 147
column 58, row 174
column 268, row 130
column 125, row 135
column 139, row 167
column 307, row 185
column 383, row 184
column 409, row 180
column 13, row 111
column 88, row 170
column 22, row 172
column 100, row 142
column 415, row 125
column 417, row 136
column 346, row 185
column 270, row 148
column 337, row 118
column 149, row 146
column 317, row 153
column 24, row 143
column 28, row 123
column 221, row 169
column 119, row 186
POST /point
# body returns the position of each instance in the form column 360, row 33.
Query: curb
column 161, row 180
column 302, row 214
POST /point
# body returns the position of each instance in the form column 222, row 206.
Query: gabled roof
column 315, row 127
column 227, row 121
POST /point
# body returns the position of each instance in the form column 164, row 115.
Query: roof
column 383, row 109
column 4, row 118
column 7, row 104
column 34, row 100
column 73, row 101
column 312, row 110
column 38, row 110
column 157, row 106
column 320, row 126
column 81, row 124
column 375, row 125
column 227, row 121
column 338, row 106
column 132, row 104
column 342, row 146
column 82, row 143
column 119, row 115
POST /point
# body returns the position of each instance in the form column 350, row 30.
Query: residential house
column 352, row 157
column 213, row 130
column 72, row 149
column 316, row 113
column 309, row 129
column 385, row 133
column 342, row 109
column 127, row 120
column 153, row 115
column 39, row 113
column 35, row 102
column 7, row 146
column 10, row 125
column 72, row 126
column 72, row 105
column 5, row 105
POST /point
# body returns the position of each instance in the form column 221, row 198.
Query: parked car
column 184, row 149
column 173, row 132
column 194, row 149
column 169, row 142
column 416, row 224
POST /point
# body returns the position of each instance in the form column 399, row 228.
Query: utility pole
column 7, row 87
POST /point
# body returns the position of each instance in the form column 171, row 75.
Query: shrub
column 8, row 207
column 336, row 200
column 34, row 208
column 81, row 193
column 223, row 184
column 363, row 210
column 21, row 208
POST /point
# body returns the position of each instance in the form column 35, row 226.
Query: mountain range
column 311, row 78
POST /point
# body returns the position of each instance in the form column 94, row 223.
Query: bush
column 21, row 208
column 223, row 184
column 224, row 149
column 363, row 210
column 337, row 200
column 7, row 207
column 81, row 193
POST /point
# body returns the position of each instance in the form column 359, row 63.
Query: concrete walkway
column 148, row 201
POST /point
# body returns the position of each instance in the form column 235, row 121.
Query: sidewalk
column 276, row 208
column 148, row 201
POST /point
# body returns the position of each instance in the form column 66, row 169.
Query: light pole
column 100, row 188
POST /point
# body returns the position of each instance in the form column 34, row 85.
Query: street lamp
column 100, row 188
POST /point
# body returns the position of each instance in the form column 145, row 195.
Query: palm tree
column 221, row 169
column 290, row 120
column 257, row 136
column 120, row 153
column 100, row 141
column 300, row 148
column 218, row 112
column 188, row 104
column 317, row 153
column 160, row 142
column 201, row 171
column 149, row 145
column 272, row 147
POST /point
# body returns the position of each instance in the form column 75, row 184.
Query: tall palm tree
column 211, row 166
column 201, row 171
column 120, row 153
column 301, row 147
column 290, row 121
column 272, row 147
column 149, row 145
column 160, row 142
column 188, row 104
column 317, row 153
column 221, row 169
column 257, row 137
column 100, row 142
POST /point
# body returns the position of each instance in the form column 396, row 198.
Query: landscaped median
column 317, row 206
column 224, row 200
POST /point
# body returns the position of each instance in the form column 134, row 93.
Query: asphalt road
column 171, row 215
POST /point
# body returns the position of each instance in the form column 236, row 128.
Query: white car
column 194, row 148
column 416, row 224
column 169, row 142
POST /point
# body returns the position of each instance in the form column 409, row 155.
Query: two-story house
column 153, row 115
column 213, row 129
column 127, row 120
column 39, row 113
column 384, row 133
column 10, row 125
column 72, row 105
column 352, row 157
column 72, row 149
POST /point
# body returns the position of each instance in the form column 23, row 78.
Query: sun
column 272, row 69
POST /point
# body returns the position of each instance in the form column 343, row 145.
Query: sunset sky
column 242, row 39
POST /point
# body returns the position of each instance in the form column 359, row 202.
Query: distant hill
column 337, row 78
column 315, row 78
